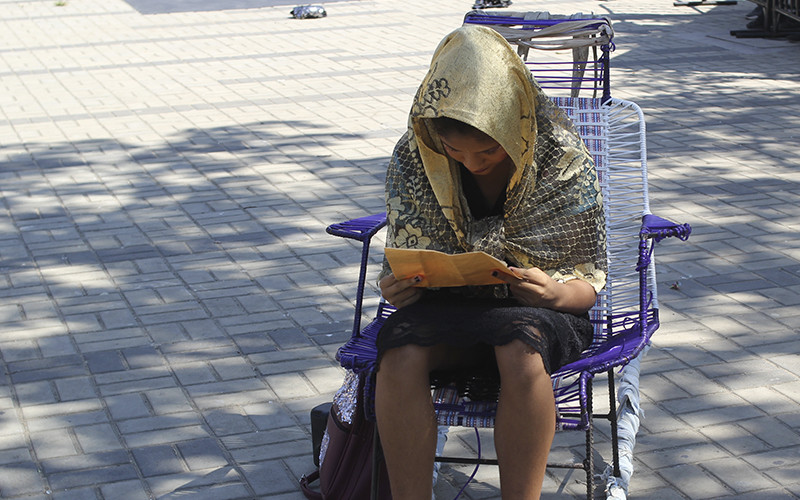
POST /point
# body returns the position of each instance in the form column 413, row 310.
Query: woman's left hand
column 536, row 288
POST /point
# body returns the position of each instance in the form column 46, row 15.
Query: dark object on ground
column 319, row 420
column 309, row 12
column 757, row 23
column 488, row 4
column 774, row 27
column 753, row 14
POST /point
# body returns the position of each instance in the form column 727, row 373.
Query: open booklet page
column 442, row 270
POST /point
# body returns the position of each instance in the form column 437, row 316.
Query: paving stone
column 268, row 415
column 194, row 373
column 242, row 398
column 289, row 338
column 202, row 454
column 97, row 438
column 254, row 343
column 142, row 357
column 198, row 484
column 110, row 340
column 158, row 460
column 170, row 435
column 692, row 481
column 166, row 401
column 140, row 383
column 290, row 386
column 57, row 422
column 101, row 475
column 62, row 409
column 21, row 479
column 774, row 433
column 75, row 389
column 739, row 476
column 45, row 369
column 76, row 494
column 768, row 494
column 155, row 423
column 13, row 456
column 133, row 490
column 658, row 459
column 34, row 393
column 269, row 477
column 785, row 476
column 127, row 406
column 271, row 451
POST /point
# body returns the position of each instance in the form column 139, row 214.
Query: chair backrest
column 614, row 133
column 626, row 310
column 587, row 70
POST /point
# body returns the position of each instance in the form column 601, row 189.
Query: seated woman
column 488, row 163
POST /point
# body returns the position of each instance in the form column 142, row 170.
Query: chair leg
column 612, row 417
column 588, row 463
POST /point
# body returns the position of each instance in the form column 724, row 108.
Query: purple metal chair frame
column 557, row 75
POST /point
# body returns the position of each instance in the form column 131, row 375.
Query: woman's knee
column 405, row 361
column 519, row 362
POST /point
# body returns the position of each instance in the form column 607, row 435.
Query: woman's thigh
column 418, row 358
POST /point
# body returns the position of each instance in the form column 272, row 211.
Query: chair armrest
column 617, row 350
column 361, row 229
column 654, row 227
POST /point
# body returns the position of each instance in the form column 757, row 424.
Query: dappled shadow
column 147, row 274
column 207, row 180
column 690, row 91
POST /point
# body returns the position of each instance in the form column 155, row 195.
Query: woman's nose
column 471, row 162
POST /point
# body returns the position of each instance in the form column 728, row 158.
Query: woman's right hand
column 400, row 293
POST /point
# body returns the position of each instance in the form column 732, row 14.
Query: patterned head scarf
column 552, row 215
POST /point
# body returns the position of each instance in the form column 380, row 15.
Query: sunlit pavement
column 172, row 304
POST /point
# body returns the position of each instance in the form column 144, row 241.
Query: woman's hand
column 536, row 288
column 400, row 293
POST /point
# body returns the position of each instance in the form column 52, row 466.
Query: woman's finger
column 399, row 292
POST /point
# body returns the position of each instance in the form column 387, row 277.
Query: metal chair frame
column 545, row 32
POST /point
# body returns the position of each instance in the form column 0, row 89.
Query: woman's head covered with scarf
column 552, row 216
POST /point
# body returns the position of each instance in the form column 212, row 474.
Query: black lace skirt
column 440, row 317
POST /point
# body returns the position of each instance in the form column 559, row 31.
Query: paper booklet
column 442, row 270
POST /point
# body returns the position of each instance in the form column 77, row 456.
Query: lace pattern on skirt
column 447, row 318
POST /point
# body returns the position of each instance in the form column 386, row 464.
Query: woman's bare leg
column 406, row 421
column 525, row 423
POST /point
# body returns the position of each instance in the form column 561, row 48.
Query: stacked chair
column 626, row 313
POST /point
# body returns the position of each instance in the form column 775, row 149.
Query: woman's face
column 480, row 154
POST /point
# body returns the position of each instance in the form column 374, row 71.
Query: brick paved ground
column 171, row 303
